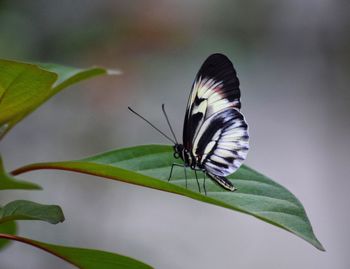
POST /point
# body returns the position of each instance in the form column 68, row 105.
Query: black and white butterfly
column 215, row 133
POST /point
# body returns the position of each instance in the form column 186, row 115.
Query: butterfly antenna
column 151, row 124
column 167, row 119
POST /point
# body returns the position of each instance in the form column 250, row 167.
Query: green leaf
column 7, row 228
column 70, row 75
column 84, row 258
column 8, row 182
column 27, row 210
column 25, row 86
column 150, row 165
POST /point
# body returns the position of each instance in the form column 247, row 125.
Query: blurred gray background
column 293, row 61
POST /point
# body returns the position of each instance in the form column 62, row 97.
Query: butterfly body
column 188, row 158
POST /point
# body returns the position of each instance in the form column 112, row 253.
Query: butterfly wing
column 222, row 144
column 223, row 182
column 216, row 87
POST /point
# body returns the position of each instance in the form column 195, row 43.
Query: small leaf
column 84, row 258
column 25, row 86
column 150, row 165
column 27, row 210
column 10, row 183
column 7, row 228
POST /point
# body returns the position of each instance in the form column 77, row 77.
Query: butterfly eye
column 176, row 155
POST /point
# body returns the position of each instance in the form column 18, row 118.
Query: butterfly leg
column 205, row 190
column 172, row 167
column 185, row 171
column 199, row 187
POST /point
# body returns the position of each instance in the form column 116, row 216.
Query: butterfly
column 215, row 132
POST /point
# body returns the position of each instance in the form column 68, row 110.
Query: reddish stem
column 35, row 244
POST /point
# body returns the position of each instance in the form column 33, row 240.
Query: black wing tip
column 218, row 55
column 220, row 68
column 218, row 58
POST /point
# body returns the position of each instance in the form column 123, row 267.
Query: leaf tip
column 113, row 72
column 319, row 246
column 36, row 187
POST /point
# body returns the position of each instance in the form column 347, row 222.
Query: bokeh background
column 293, row 61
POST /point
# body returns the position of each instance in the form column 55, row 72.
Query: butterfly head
column 178, row 150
